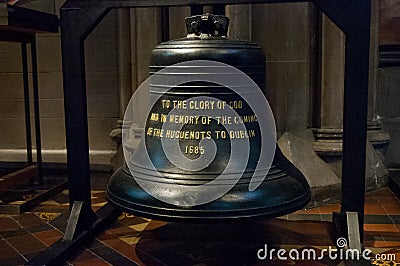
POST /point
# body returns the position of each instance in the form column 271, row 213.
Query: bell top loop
column 211, row 25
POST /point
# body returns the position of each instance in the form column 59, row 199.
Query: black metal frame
column 36, row 115
column 18, row 24
column 22, row 25
column 80, row 17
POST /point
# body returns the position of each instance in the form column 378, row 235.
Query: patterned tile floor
column 138, row 241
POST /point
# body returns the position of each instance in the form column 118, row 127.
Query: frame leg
column 73, row 220
column 347, row 225
column 353, row 233
column 37, row 113
column 26, row 103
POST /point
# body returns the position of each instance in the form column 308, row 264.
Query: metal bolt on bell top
column 282, row 190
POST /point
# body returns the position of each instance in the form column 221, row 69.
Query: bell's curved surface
column 283, row 190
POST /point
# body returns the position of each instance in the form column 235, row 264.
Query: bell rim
column 202, row 213
column 195, row 215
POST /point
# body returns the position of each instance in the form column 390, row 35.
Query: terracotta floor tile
column 130, row 220
column 110, row 255
column 13, row 261
column 392, row 208
column 31, row 255
column 154, row 224
column 304, row 227
column 48, row 234
column 50, row 241
column 26, row 243
column 88, row 258
column 28, row 220
column 391, row 203
column 385, row 192
column 371, row 200
column 7, row 251
column 91, row 262
column 7, row 224
column 388, row 200
column 47, row 216
column 382, row 192
column 85, row 254
column 39, row 228
column 13, row 233
column 374, row 209
column 117, row 231
column 329, row 209
column 125, row 249
column 391, row 238
column 388, row 244
column 96, row 208
column 98, row 200
column 372, row 238
column 382, row 229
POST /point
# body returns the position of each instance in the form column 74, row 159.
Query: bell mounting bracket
column 211, row 25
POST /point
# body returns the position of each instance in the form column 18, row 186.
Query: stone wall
column 284, row 31
column 102, row 92
column 388, row 95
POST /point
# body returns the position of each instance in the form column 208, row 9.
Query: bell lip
column 185, row 216
column 152, row 175
column 174, row 213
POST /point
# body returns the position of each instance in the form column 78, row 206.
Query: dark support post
column 76, row 24
column 218, row 9
column 353, row 17
column 36, row 112
column 76, row 121
column 355, row 125
column 316, row 51
column 196, row 10
column 164, row 23
column 355, row 110
column 26, row 103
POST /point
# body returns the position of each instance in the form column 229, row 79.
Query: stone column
column 329, row 134
column 146, row 35
column 124, row 68
column 239, row 21
column 376, row 135
column 283, row 30
column 177, row 27
column 124, row 55
column 124, row 79
column 139, row 31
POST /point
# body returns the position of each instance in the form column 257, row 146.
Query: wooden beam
column 18, row 177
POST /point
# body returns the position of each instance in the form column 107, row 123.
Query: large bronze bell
column 283, row 190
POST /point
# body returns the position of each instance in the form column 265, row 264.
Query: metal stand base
column 63, row 249
column 73, row 221
column 352, row 233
